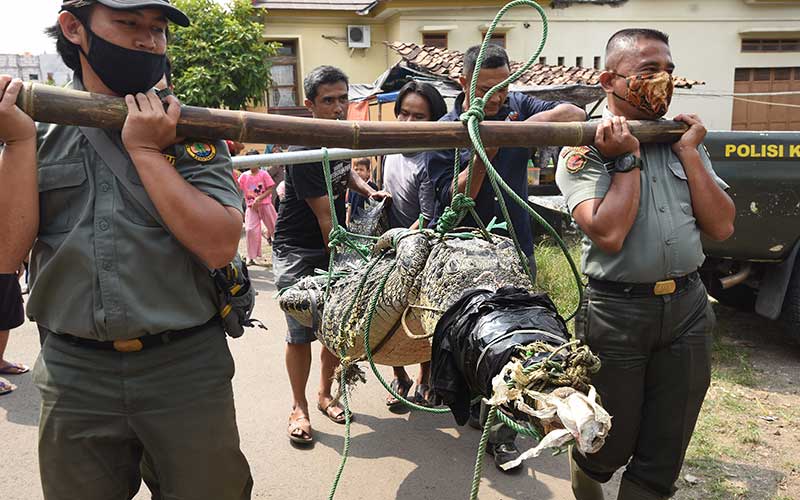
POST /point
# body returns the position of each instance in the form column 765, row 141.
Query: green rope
column 472, row 118
column 368, row 350
column 346, row 450
column 461, row 204
column 478, row 471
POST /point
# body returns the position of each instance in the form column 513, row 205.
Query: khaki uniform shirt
column 664, row 241
column 102, row 268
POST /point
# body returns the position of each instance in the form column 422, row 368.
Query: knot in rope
column 337, row 236
column 454, row 213
column 475, row 111
column 462, row 202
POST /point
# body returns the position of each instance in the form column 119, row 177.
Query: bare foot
column 9, row 368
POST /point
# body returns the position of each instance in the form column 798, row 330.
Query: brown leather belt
column 133, row 345
column 666, row 287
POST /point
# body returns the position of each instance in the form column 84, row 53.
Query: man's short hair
column 495, row 56
column 67, row 50
column 363, row 161
column 626, row 38
column 322, row 75
column 428, row 92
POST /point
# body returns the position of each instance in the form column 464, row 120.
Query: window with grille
column 284, row 90
column 771, row 45
column 435, row 40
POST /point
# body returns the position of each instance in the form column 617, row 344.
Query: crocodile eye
column 452, row 266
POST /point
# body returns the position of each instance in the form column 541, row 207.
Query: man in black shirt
column 301, row 245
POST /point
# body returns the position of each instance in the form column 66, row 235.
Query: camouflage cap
column 173, row 13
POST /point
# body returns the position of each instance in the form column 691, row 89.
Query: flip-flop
column 401, row 387
column 339, row 419
column 14, row 369
column 6, row 387
column 301, row 437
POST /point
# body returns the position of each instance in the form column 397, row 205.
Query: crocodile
column 425, row 274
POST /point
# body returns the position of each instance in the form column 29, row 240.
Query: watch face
column 625, row 163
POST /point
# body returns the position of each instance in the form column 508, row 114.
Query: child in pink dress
column 257, row 186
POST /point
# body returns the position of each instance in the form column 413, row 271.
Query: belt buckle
column 132, row 345
column 664, row 287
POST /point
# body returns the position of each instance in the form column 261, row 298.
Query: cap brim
column 173, row 13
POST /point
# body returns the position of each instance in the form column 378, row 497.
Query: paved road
column 411, row 456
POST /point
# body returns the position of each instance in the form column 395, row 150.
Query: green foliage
column 553, row 274
column 220, row 60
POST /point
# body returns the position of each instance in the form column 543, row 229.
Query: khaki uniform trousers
column 102, row 411
column 656, row 367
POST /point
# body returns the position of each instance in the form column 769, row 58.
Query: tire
column 790, row 315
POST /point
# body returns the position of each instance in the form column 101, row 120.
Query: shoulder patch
column 576, row 158
column 203, row 152
column 575, row 162
column 170, row 158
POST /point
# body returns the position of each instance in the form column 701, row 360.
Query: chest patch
column 201, row 151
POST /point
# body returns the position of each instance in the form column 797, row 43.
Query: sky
column 22, row 23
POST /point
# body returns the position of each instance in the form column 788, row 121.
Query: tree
column 220, row 60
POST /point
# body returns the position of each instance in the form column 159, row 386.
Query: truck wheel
column 740, row 297
column 791, row 304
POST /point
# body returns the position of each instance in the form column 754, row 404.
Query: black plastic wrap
column 477, row 335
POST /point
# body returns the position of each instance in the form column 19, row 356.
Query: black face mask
column 124, row 71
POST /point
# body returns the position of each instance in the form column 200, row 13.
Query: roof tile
column 448, row 63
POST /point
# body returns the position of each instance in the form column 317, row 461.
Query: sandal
column 339, row 418
column 14, row 369
column 6, row 386
column 421, row 394
column 401, row 387
column 297, row 434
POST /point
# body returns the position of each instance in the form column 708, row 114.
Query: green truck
column 757, row 269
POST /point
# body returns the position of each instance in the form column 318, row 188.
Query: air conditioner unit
column 358, row 37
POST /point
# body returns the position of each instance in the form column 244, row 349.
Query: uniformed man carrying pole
column 135, row 360
column 645, row 312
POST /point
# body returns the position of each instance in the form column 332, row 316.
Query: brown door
column 749, row 115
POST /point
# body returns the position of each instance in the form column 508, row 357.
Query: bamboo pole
column 45, row 103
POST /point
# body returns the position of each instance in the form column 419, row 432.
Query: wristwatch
column 627, row 162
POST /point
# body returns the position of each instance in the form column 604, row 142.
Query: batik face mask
column 651, row 92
